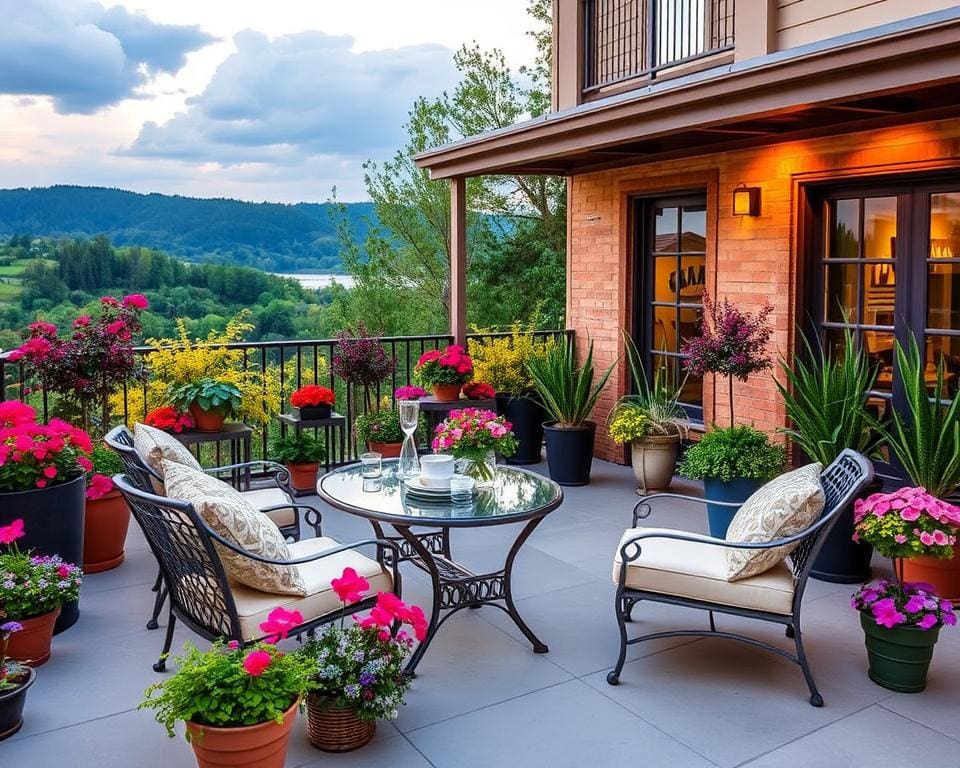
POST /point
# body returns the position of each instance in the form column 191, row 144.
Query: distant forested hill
column 269, row 236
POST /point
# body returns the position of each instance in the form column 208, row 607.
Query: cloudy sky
column 256, row 99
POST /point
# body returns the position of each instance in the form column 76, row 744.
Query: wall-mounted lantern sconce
column 746, row 201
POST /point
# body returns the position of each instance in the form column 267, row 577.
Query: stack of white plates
column 418, row 487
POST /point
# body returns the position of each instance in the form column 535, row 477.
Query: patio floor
column 482, row 698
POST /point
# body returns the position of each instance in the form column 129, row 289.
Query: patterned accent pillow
column 155, row 445
column 226, row 511
column 784, row 506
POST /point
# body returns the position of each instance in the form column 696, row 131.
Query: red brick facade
column 748, row 259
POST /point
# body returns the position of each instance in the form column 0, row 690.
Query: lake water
column 313, row 282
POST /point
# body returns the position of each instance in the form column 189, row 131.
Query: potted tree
column 444, row 371
column 357, row 667
column 301, row 454
column 313, row 402
column 901, row 620
column 362, row 362
column 926, row 440
column 238, row 703
column 569, row 394
column 652, row 421
column 502, row 362
column 107, row 516
column 732, row 343
column 380, row 429
column 733, row 462
column 15, row 680
column 827, row 402
column 33, row 590
column 42, row 482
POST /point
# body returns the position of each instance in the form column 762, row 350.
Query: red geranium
column 479, row 390
column 169, row 419
column 312, row 395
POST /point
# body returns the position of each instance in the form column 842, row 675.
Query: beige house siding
column 806, row 21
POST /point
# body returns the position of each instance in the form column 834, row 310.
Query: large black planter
column 841, row 559
column 11, row 707
column 53, row 525
column 737, row 490
column 526, row 415
column 570, row 452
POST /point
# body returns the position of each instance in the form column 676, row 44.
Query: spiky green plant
column 568, row 392
column 925, row 436
column 656, row 398
column 826, row 398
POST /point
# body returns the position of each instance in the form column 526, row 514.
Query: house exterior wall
column 749, row 260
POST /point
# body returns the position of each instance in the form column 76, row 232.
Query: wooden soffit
column 861, row 81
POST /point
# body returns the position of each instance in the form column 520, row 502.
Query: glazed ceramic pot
column 654, row 460
column 570, row 452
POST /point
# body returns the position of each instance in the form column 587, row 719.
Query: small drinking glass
column 461, row 488
column 370, row 464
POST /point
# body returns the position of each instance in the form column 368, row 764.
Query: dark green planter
column 899, row 657
column 737, row 490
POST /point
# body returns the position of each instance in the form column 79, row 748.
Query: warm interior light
column 746, row 201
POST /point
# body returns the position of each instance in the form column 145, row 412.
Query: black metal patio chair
column 276, row 499
column 204, row 599
column 774, row 596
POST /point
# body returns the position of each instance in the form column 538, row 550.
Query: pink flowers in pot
column 906, row 523
column 449, row 366
column 409, row 392
column 36, row 455
column 914, row 605
column 473, row 432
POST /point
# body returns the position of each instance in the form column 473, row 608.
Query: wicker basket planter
column 333, row 729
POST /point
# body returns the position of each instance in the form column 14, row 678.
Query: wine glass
column 409, row 464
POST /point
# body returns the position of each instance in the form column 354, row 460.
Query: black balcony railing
column 297, row 362
column 627, row 39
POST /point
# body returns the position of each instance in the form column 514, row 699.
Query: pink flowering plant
column 409, row 392
column 906, row 523
column 473, row 434
column 85, row 365
column 33, row 585
column 34, row 455
column 448, row 366
column 358, row 664
column 231, row 685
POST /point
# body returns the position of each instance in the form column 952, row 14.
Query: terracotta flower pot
column 206, row 421
column 11, row 707
column 104, row 532
column 943, row 574
column 303, row 477
column 446, row 393
column 654, row 460
column 250, row 746
column 387, row 450
column 333, row 729
column 31, row 645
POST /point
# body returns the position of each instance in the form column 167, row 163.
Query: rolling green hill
column 271, row 236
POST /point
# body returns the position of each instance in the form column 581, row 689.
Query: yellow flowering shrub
column 627, row 425
column 182, row 360
column 501, row 361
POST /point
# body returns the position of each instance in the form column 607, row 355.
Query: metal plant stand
column 517, row 496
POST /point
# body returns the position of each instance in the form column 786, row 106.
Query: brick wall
column 748, row 259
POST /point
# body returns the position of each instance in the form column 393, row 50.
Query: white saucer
column 417, row 485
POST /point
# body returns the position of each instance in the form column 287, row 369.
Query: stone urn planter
column 252, row 746
column 654, row 460
column 11, row 706
column 53, row 519
column 106, row 521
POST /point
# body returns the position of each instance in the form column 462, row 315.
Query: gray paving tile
column 567, row 725
column 395, row 752
column 866, row 739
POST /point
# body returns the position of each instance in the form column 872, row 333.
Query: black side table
column 334, row 432
column 240, row 438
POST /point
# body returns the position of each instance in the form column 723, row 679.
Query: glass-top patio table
column 516, row 496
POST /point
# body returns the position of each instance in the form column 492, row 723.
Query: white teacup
column 436, row 470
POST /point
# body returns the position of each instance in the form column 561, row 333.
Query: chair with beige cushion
column 204, row 593
column 760, row 571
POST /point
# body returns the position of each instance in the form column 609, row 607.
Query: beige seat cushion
column 271, row 497
column 699, row 571
column 784, row 506
column 154, row 445
column 225, row 510
column 254, row 606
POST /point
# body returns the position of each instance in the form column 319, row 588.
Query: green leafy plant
column 230, row 686
column 210, row 395
column 826, row 398
column 381, row 426
column 568, row 392
column 297, row 449
column 32, row 585
column 734, row 452
column 655, row 398
column 926, row 437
